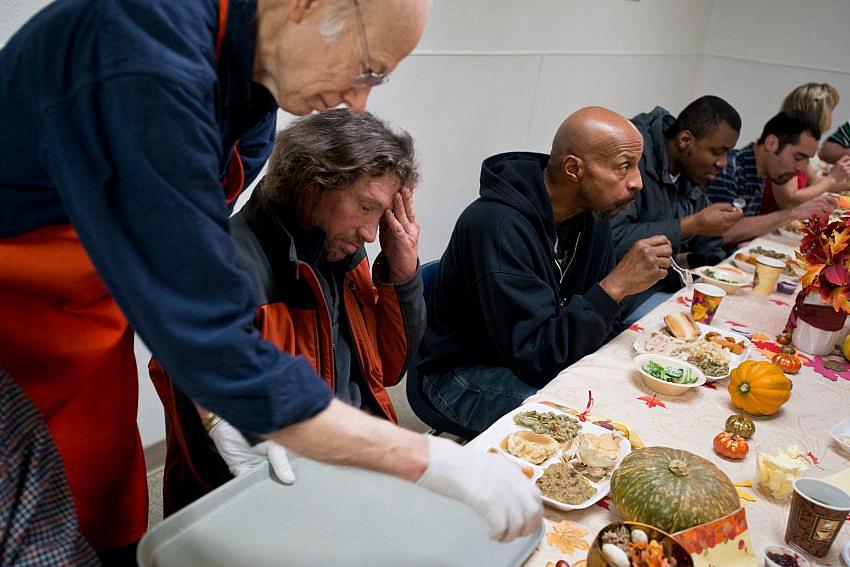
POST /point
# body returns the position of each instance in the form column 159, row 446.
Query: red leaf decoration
column 652, row 402
column 836, row 274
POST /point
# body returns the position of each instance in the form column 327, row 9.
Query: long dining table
column 820, row 399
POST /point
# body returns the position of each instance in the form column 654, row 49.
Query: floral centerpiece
column 824, row 302
column 825, row 253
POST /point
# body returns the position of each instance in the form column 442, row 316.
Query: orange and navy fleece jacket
column 385, row 323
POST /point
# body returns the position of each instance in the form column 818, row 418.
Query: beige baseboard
column 155, row 456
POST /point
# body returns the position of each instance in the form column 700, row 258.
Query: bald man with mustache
column 529, row 283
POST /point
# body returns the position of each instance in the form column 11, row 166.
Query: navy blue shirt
column 739, row 179
column 120, row 118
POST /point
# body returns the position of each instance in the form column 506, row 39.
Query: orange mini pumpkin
column 786, row 359
column 759, row 388
column 731, row 446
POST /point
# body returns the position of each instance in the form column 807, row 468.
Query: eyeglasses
column 368, row 78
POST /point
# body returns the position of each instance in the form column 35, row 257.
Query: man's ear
column 298, row 9
column 573, row 168
column 684, row 139
column 771, row 143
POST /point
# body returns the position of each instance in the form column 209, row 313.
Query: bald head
column 593, row 164
column 592, row 132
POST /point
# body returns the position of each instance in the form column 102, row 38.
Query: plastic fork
column 684, row 274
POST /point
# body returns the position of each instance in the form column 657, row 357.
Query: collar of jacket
column 653, row 126
column 285, row 241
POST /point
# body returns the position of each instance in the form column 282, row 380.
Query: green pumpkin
column 671, row 489
column 740, row 425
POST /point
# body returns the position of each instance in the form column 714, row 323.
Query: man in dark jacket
column 528, row 284
column 680, row 154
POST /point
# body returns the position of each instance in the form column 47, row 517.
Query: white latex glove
column 494, row 486
column 242, row 457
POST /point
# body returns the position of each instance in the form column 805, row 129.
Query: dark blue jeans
column 476, row 396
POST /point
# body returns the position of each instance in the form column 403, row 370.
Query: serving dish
column 667, row 362
column 728, row 278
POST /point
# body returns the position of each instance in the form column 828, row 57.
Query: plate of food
column 570, row 461
column 716, row 352
column 745, row 258
column 728, row 278
column 792, row 230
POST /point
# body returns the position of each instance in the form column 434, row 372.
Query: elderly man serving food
column 128, row 128
column 529, row 283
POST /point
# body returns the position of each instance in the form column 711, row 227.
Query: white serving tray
column 505, row 426
column 330, row 516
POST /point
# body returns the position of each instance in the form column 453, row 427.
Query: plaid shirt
column 38, row 523
column 739, row 179
column 842, row 135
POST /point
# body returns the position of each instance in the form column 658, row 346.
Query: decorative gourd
column 671, row 489
column 845, row 347
column 784, row 339
column 759, row 388
column 787, row 361
column 731, row 446
column 741, row 426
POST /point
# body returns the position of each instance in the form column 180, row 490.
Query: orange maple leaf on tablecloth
column 568, row 537
column 651, row 402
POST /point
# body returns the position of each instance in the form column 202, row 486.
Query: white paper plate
column 505, row 426
column 736, row 359
column 790, row 234
column 749, row 268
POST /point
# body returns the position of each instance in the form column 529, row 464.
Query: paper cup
column 818, row 510
column 767, row 274
column 705, row 302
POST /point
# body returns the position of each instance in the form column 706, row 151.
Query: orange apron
column 64, row 340
column 67, row 344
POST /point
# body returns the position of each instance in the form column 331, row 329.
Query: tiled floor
column 406, row 418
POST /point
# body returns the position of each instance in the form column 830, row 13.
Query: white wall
column 756, row 51
column 500, row 75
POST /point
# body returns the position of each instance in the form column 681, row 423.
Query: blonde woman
column 819, row 100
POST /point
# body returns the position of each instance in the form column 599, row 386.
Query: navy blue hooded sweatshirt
column 500, row 298
column 119, row 118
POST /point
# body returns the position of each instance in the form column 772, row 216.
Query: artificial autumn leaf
column 812, row 273
column 836, row 274
column 744, row 496
column 651, row 402
column 568, row 537
column 839, row 241
column 833, row 365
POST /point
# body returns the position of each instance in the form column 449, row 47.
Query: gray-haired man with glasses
column 144, row 119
